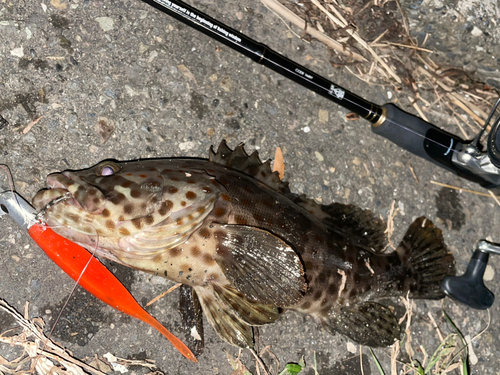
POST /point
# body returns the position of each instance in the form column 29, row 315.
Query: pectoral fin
column 368, row 323
column 260, row 265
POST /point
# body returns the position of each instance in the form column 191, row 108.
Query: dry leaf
column 105, row 128
column 352, row 116
column 279, row 165
column 186, row 72
column 31, row 124
column 58, row 5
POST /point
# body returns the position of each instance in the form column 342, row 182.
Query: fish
column 229, row 228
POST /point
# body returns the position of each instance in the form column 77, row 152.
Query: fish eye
column 107, row 169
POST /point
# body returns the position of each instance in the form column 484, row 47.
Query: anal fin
column 368, row 323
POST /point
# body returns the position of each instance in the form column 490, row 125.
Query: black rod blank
column 262, row 54
column 404, row 129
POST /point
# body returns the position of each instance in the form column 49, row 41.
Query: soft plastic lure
column 83, row 267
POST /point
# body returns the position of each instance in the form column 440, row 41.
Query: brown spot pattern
column 195, row 251
column 207, row 259
column 240, row 220
column 191, row 195
column 135, row 193
column 172, row 190
column 219, row 211
column 165, row 207
column 127, row 184
column 124, row 231
column 175, row 252
column 128, row 209
column 205, row 233
column 105, row 213
column 149, row 219
column 186, row 268
column 137, row 223
column 110, row 224
column 73, row 217
column 118, row 198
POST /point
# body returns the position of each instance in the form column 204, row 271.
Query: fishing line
column 75, row 284
column 38, row 220
column 27, row 217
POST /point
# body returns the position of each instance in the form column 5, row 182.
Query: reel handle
column 469, row 288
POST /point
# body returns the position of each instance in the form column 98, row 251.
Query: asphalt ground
column 121, row 80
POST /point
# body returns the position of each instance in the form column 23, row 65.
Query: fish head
column 110, row 199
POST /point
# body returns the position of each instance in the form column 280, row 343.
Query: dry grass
column 41, row 355
column 392, row 59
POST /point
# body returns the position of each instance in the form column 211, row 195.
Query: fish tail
column 426, row 260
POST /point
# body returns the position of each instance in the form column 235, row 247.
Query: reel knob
column 469, row 288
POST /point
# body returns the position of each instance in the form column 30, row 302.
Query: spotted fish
column 249, row 247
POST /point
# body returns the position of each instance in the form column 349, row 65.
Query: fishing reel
column 483, row 164
column 469, row 288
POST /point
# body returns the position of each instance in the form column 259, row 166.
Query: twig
column 494, row 197
column 341, row 22
column 413, row 173
column 342, row 282
column 434, row 324
column 459, row 188
column 164, row 294
column 297, row 21
column 417, row 108
column 31, row 124
column 385, row 44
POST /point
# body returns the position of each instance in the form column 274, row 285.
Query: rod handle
column 417, row 136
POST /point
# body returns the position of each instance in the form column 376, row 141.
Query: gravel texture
column 118, row 79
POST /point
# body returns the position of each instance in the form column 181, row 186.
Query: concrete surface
column 120, row 69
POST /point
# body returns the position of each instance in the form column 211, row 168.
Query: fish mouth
column 63, row 187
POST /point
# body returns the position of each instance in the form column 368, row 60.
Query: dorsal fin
column 361, row 226
column 250, row 164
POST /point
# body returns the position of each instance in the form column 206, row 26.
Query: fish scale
column 250, row 248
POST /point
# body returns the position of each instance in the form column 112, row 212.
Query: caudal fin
column 426, row 258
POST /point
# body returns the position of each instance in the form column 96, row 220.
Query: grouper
column 250, row 248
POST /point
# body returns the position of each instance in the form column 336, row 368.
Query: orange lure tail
column 97, row 280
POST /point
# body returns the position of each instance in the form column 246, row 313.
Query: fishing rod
column 464, row 158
